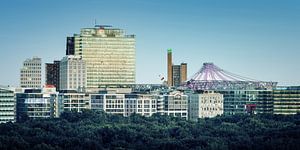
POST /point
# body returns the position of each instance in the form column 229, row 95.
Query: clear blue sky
column 254, row 38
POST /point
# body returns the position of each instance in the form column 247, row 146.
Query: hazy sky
column 259, row 39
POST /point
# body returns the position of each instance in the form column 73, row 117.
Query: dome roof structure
column 211, row 77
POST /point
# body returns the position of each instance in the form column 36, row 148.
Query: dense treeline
column 98, row 130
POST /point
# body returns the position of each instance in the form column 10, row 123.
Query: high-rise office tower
column 183, row 72
column 70, row 49
column 109, row 55
column 52, row 74
column 177, row 74
column 72, row 73
column 31, row 73
column 170, row 68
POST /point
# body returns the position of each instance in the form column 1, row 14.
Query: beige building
column 176, row 105
column 31, row 73
column 205, row 105
column 109, row 55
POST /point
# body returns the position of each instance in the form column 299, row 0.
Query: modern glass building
column 7, row 105
column 109, row 55
column 31, row 73
column 36, row 103
column 236, row 101
column 286, row 100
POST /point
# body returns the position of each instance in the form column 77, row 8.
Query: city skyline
column 252, row 39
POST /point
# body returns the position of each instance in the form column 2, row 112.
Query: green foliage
column 98, row 130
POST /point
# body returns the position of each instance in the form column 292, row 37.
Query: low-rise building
column 7, row 105
column 143, row 104
column 206, row 104
column 176, row 104
column 287, row 100
column 36, row 103
column 72, row 101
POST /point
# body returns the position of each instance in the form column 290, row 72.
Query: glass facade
column 287, row 100
column 35, row 105
column 109, row 55
column 236, row 101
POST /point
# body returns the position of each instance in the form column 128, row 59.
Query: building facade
column 110, row 103
column 236, row 101
column 109, row 55
column 177, row 74
column 287, row 100
column 205, row 105
column 143, row 104
column 31, row 73
column 72, row 73
column 72, row 101
column 176, row 105
column 36, row 103
column 7, row 105
column 52, row 74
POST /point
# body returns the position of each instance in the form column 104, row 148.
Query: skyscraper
column 72, row 73
column 70, row 49
column 52, row 74
column 177, row 74
column 170, row 68
column 31, row 73
column 183, row 72
column 109, row 55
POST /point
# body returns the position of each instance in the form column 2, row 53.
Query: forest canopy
column 99, row 130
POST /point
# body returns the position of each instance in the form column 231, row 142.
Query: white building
column 143, row 104
column 176, row 104
column 72, row 73
column 110, row 103
column 7, row 105
column 31, row 73
column 205, row 105
column 72, row 101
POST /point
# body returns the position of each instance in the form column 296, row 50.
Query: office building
column 70, row 47
column 31, row 73
column 142, row 104
column 286, row 100
column 176, row 105
column 177, row 74
column 109, row 55
column 206, row 104
column 237, row 101
column 52, row 74
column 72, row 101
column 36, row 103
column 7, row 105
column 72, row 73
column 110, row 103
